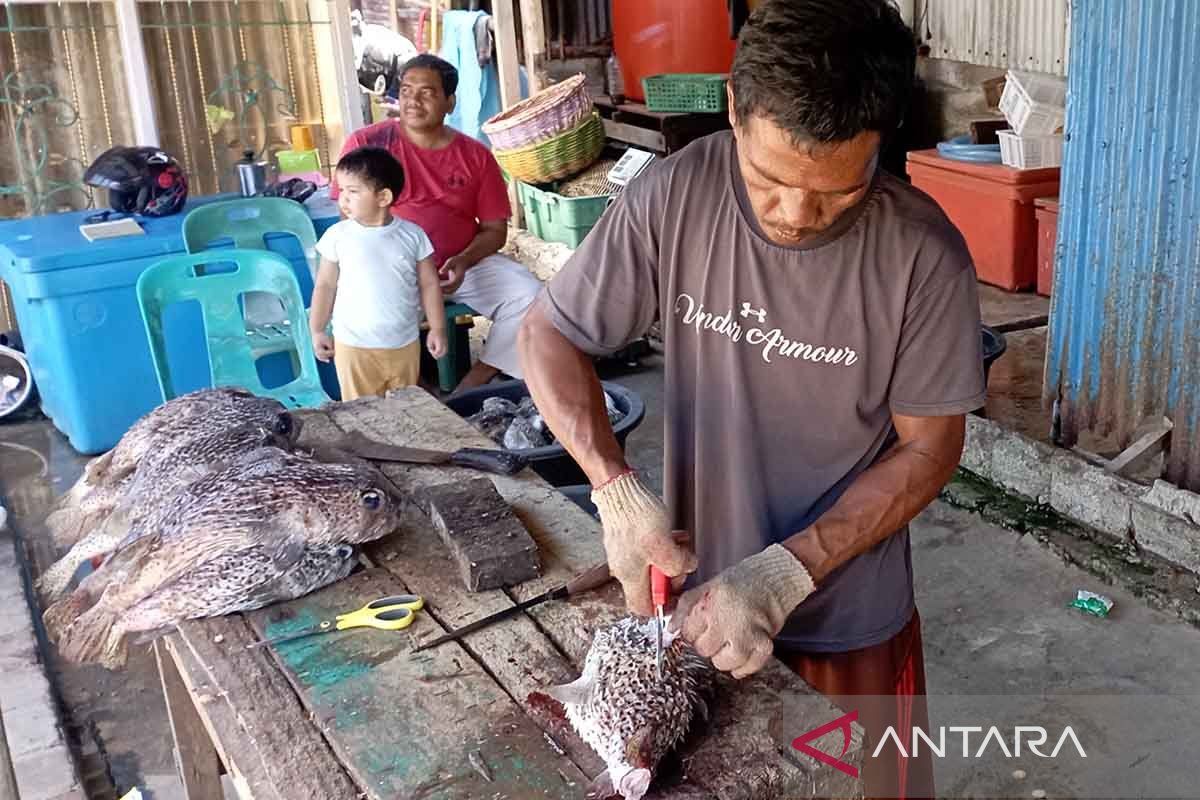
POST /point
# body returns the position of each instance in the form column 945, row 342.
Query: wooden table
column 662, row 132
column 355, row 714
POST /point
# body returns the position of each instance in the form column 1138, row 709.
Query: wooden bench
column 356, row 714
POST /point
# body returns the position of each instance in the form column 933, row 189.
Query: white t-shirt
column 378, row 301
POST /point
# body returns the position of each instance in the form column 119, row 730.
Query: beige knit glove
column 636, row 535
column 734, row 617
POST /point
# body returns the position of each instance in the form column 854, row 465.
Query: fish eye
column 283, row 424
column 345, row 551
column 372, row 500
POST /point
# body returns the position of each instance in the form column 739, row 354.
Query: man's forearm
column 881, row 501
column 567, row 392
column 486, row 243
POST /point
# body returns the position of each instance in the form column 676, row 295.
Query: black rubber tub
column 994, row 345
column 553, row 462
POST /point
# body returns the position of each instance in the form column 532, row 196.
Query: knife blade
column 591, row 578
column 497, row 462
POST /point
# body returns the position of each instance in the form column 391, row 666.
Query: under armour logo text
column 761, row 313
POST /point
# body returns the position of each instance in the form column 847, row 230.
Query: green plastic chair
column 248, row 221
column 231, row 347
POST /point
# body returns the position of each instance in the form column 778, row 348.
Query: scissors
column 387, row 614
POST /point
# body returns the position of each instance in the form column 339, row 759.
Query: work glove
column 734, row 618
column 636, row 535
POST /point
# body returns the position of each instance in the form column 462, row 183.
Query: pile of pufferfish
column 205, row 508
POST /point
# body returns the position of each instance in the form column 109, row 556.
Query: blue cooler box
column 78, row 314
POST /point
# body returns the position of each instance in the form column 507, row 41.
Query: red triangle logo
column 842, row 723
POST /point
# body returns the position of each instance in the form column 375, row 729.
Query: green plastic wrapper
column 1091, row 603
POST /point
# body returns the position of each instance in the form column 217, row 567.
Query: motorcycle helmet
column 140, row 180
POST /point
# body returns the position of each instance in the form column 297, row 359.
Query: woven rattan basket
column 558, row 157
column 553, row 110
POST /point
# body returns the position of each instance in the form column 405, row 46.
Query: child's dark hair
column 376, row 166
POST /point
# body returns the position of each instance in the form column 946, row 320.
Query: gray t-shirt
column 783, row 364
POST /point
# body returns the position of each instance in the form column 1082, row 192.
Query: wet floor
column 121, row 714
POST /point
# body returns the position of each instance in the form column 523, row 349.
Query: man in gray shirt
column 822, row 340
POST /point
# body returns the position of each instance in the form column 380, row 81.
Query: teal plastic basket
column 686, row 92
column 554, row 218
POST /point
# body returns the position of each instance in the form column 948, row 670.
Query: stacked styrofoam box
column 1035, row 107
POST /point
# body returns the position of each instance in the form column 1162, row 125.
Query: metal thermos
column 252, row 175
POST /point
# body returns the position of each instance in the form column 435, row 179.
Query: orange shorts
column 886, row 684
column 368, row 371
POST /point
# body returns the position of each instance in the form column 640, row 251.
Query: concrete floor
column 993, row 605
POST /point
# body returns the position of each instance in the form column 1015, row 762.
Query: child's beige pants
column 365, row 372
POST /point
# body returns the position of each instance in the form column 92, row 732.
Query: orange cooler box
column 993, row 207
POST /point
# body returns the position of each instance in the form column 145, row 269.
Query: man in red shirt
column 454, row 190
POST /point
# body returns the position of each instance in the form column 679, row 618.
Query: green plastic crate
column 554, row 218
column 686, row 92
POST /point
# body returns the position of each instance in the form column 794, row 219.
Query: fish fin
column 96, row 470
column 287, row 554
column 601, row 787
column 577, row 692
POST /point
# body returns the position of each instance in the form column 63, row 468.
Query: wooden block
column 488, row 543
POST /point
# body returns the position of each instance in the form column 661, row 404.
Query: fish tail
column 116, row 649
column 59, row 617
column 91, row 638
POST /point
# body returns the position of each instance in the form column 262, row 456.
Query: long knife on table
column 498, row 462
column 592, row 578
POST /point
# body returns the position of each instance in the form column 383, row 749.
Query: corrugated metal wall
column 1125, row 319
column 1022, row 34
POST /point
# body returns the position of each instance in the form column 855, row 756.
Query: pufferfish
column 624, row 712
column 106, row 477
column 270, row 526
column 165, row 469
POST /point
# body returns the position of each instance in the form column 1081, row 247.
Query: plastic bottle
column 616, row 84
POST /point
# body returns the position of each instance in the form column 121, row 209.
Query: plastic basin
column 553, row 462
column 994, row 345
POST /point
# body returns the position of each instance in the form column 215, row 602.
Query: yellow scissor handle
column 386, row 613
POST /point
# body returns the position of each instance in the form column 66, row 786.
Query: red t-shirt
column 448, row 192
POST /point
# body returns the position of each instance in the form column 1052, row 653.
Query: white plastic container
column 1034, row 104
column 1030, row 152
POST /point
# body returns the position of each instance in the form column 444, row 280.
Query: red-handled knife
column 660, row 593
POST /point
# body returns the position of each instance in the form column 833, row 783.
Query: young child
column 375, row 277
